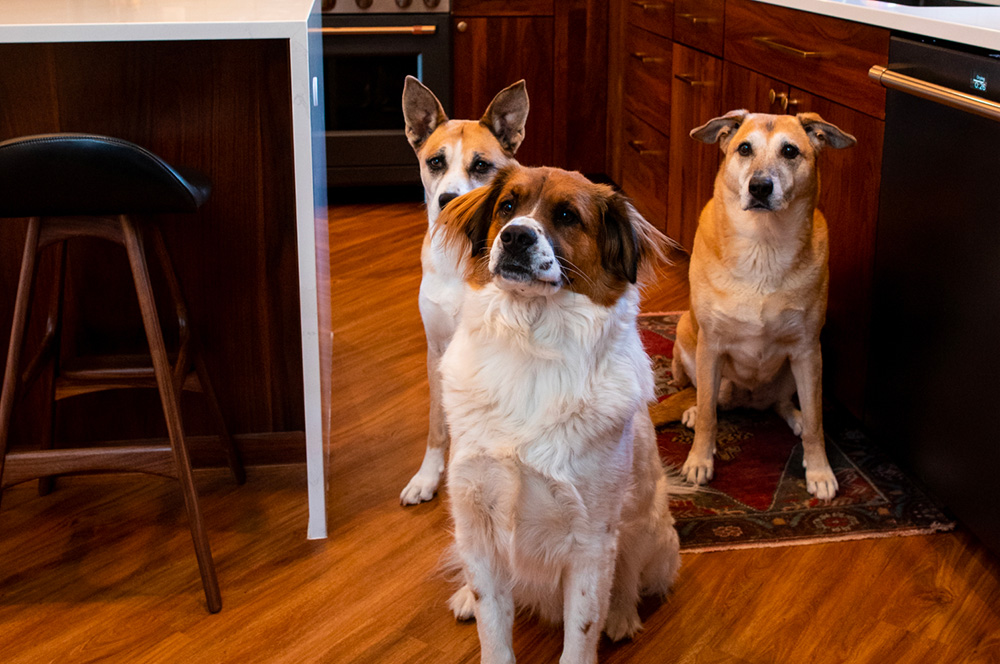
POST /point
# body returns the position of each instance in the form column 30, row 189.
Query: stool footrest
column 28, row 465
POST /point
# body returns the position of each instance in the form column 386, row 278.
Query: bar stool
column 83, row 185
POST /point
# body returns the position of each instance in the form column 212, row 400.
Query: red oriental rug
column 758, row 496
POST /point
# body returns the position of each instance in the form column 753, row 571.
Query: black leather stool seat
column 83, row 174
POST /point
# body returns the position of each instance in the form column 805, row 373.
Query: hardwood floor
column 103, row 570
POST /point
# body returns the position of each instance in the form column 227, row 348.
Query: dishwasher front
column 934, row 386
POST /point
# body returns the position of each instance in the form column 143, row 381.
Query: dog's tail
column 670, row 409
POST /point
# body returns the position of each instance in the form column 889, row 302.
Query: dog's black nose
column 444, row 199
column 517, row 237
column 761, row 187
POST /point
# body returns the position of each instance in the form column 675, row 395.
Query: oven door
column 365, row 62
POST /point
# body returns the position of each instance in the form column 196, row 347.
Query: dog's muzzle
column 522, row 253
column 760, row 189
column 446, row 198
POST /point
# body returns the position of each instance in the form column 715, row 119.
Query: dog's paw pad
column 622, row 624
column 463, row 603
column 689, row 416
column 420, row 489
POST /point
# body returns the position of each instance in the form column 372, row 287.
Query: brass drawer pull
column 641, row 151
column 646, row 59
column 782, row 98
column 648, row 6
column 382, row 30
column 693, row 80
column 698, row 20
column 790, row 50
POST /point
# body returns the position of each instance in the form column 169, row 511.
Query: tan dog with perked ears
column 456, row 156
column 759, row 281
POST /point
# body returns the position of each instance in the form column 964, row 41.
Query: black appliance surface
column 366, row 58
column 934, row 385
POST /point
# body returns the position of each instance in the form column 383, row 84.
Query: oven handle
column 936, row 93
column 382, row 30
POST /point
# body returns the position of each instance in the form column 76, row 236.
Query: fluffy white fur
column 558, row 494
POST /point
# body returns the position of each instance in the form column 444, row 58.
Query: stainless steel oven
column 369, row 47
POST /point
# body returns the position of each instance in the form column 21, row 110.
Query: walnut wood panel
column 840, row 52
column 849, row 199
column 616, row 86
column 743, row 88
column 696, row 98
column 502, row 7
column 115, row 582
column 221, row 107
column 580, row 81
column 648, row 77
column 490, row 54
column 653, row 15
column 644, row 169
column 700, row 24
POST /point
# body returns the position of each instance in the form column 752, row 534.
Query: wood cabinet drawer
column 647, row 77
column 645, row 154
column 653, row 15
column 826, row 56
column 700, row 24
column 501, row 7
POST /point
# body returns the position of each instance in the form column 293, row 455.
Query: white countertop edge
column 975, row 26
column 134, row 32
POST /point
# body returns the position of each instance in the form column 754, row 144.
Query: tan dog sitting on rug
column 759, row 281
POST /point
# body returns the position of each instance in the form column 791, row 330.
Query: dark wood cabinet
column 560, row 48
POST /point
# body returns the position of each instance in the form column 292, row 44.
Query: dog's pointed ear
column 506, row 115
column 720, row 130
column 821, row 133
column 466, row 220
column 421, row 110
column 629, row 244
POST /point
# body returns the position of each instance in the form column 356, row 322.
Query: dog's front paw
column 421, row 488
column 698, row 471
column 822, row 483
column 689, row 416
column 463, row 603
column 622, row 624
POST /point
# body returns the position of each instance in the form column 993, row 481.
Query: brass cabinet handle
column 462, row 26
column 640, row 150
column 698, row 20
column 693, row 80
column 648, row 6
column 936, row 93
column 645, row 59
column 782, row 98
column 382, row 30
column 790, row 50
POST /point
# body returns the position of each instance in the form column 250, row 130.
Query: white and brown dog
column 456, row 156
column 759, row 280
column 557, row 492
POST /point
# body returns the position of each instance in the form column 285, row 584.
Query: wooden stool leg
column 232, row 454
column 52, row 334
column 20, row 323
column 171, row 410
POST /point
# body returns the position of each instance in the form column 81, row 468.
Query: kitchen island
column 230, row 88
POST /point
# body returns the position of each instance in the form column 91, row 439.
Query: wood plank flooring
column 103, row 569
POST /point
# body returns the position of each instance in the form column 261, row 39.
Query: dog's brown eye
column 789, row 151
column 436, row 163
column 566, row 217
column 481, row 167
column 506, row 208
column 745, row 149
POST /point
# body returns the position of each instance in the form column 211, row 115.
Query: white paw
column 698, row 471
column 421, row 488
column 689, row 416
column 463, row 603
column 822, row 483
column 622, row 624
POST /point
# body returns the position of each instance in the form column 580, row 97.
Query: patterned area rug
column 758, row 496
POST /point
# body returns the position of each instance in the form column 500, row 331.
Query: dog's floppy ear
column 421, row 110
column 720, row 129
column 822, row 133
column 466, row 220
column 628, row 242
column 506, row 115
